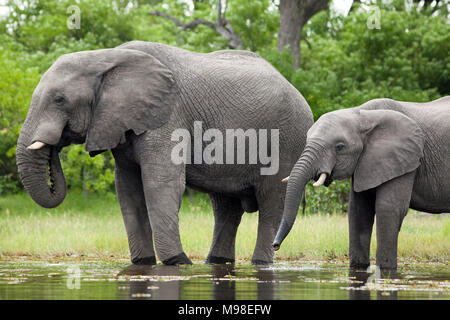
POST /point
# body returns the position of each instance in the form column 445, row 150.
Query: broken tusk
column 285, row 179
column 36, row 146
column 321, row 180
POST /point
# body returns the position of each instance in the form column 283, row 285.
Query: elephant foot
column 144, row 261
column 218, row 260
column 178, row 259
column 261, row 262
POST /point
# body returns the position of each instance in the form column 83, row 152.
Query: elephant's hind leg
column 227, row 216
column 132, row 204
column 270, row 203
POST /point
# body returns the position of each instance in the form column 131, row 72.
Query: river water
column 287, row 281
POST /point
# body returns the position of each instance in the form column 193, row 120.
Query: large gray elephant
column 397, row 154
column 131, row 99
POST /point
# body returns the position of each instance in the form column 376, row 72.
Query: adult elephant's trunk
column 41, row 174
column 303, row 171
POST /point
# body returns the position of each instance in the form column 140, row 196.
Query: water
column 119, row 280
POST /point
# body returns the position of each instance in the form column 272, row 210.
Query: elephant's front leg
column 227, row 216
column 361, row 214
column 164, row 185
column 392, row 203
column 132, row 204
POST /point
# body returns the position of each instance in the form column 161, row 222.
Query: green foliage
column 331, row 199
column 41, row 25
column 350, row 64
column 256, row 22
column 85, row 173
column 16, row 79
column 344, row 63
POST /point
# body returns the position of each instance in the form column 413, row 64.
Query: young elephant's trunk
column 38, row 168
column 303, row 171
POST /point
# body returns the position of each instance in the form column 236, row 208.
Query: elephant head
column 371, row 146
column 90, row 97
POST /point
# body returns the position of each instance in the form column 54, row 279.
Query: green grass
column 94, row 228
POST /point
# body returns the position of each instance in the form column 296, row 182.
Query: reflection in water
column 167, row 282
column 293, row 281
column 223, row 290
column 365, row 278
column 167, row 288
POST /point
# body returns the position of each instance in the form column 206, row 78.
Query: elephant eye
column 59, row 100
column 340, row 146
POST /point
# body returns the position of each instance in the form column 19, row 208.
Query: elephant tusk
column 321, row 180
column 36, row 145
column 285, row 179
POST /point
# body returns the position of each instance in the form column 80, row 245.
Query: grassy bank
column 94, row 228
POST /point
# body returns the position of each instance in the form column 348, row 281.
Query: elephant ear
column 393, row 146
column 135, row 92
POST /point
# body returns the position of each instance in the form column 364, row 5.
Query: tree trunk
column 291, row 26
column 294, row 14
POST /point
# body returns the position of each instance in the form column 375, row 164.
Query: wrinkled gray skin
column 397, row 154
column 130, row 99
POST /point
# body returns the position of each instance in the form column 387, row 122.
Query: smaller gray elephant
column 397, row 154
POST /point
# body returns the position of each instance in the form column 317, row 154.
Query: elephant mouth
column 68, row 137
column 329, row 179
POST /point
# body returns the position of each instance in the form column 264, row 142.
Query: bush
column 17, row 82
column 333, row 199
column 85, row 173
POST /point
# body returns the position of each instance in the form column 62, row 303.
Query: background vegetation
column 343, row 62
column 94, row 229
